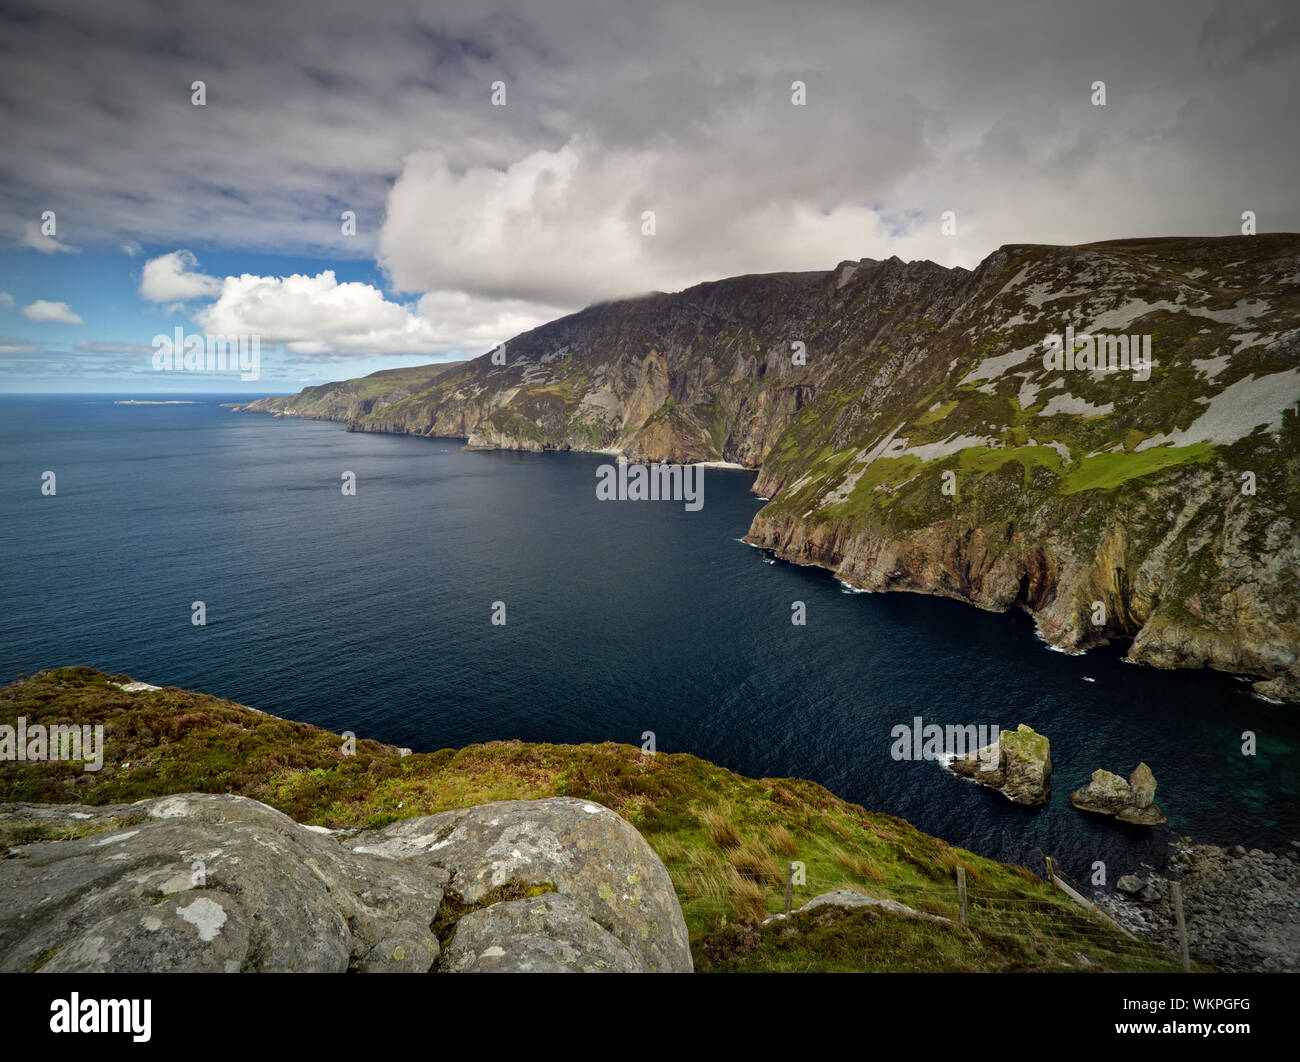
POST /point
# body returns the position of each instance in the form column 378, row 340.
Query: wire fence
column 1058, row 921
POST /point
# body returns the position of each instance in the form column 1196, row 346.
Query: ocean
column 373, row 613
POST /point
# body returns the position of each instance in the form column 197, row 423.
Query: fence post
column 961, row 892
column 789, row 887
column 1177, row 891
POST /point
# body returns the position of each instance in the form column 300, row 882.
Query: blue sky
column 102, row 287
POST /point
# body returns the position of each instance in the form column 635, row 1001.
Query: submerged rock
column 1132, row 801
column 1020, row 766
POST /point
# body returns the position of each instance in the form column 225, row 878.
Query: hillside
column 923, row 445
column 725, row 839
column 349, row 399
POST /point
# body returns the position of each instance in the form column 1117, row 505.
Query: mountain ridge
column 924, row 444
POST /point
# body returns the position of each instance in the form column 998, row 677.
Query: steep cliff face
column 914, row 431
column 349, row 400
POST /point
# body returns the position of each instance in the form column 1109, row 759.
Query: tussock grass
column 782, row 840
column 720, row 831
column 755, row 862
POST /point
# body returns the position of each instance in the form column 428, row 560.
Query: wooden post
column 789, row 887
column 1051, row 872
column 1177, row 891
column 961, row 892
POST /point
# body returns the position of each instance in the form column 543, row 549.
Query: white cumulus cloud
column 174, row 278
column 42, row 311
column 319, row 318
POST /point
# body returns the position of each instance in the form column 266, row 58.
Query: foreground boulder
column 207, row 883
column 1132, row 801
column 544, row 934
column 1019, row 767
column 211, row 883
column 574, row 847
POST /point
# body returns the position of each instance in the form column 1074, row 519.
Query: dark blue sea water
column 372, row 614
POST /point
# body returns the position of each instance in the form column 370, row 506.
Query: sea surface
column 372, row 613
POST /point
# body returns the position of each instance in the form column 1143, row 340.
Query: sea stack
column 1132, row 801
column 1023, row 769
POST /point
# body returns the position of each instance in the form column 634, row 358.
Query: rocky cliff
column 914, row 430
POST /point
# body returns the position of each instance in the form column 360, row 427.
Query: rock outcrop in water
column 913, row 433
column 1132, row 801
column 207, row 883
column 1020, row 767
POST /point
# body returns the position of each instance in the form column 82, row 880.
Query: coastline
column 799, row 545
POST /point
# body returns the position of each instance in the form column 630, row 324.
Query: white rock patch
column 205, row 916
column 1080, row 407
column 992, row 368
column 1238, row 410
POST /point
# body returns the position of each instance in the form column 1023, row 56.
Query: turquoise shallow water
column 372, row 614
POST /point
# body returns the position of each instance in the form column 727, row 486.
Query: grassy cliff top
column 725, row 839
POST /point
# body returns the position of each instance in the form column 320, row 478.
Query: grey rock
column 1236, row 918
column 1129, row 883
column 583, row 850
column 207, row 883
column 1023, row 770
column 225, row 884
column 1132, row 801
column 849, row 898
column 543, row 934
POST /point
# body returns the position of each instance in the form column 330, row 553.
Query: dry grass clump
column 755, row 862
column 719, row 829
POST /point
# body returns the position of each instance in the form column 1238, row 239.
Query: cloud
column 42, row 311
column 570, row 227
column 171, row 278
column 6, row 300
column 110, row 346
column 318, row 318
column 615, row 108
column 15, row 345
column 35, row 239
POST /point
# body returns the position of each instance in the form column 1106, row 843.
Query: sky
column 506, row 163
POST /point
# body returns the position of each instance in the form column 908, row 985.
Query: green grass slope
column 725, row 839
